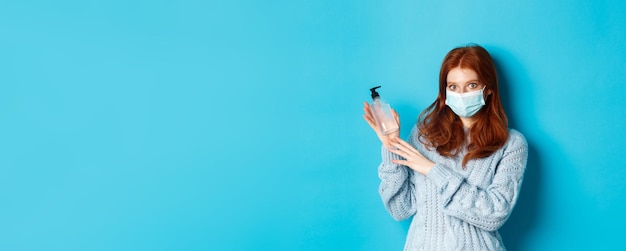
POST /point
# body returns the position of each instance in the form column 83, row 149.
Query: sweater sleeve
column 489, row 207
column 396, row 188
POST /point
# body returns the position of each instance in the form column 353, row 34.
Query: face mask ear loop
column 485, row 96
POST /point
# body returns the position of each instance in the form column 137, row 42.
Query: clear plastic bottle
column 382, row 114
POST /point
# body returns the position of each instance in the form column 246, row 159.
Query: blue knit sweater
column 455, row 208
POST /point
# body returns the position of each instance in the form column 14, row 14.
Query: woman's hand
column 412, row 158
column 369, row 118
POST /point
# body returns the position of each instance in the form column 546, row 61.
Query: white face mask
column 465, row 104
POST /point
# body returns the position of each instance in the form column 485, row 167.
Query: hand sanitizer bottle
column 382, row 114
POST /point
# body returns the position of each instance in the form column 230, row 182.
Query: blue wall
column 236, row 125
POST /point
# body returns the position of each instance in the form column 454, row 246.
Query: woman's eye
column 473, row 85
column 452, row 87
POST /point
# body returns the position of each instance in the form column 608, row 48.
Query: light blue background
column 236, row 125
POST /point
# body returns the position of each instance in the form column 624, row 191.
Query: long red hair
column 441, row 129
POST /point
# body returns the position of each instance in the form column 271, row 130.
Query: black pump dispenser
column 374, row 93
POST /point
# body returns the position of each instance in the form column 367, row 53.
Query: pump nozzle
column 374, row 93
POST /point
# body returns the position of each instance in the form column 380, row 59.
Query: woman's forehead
column 459, row 74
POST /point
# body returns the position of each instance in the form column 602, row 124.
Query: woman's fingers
column 367, row 110
column 395, row 115
column 398, row 143
column 405, row 150
column 370, row 122
column 368, row 116
column 407, row 146
column 400, row 150
column 401, row 162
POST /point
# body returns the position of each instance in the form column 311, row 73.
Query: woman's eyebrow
column 472, row 81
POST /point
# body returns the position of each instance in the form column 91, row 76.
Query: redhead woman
column 460, row 171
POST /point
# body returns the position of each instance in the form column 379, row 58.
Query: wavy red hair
column 441, row 129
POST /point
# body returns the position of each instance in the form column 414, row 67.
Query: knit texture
column 455, row 208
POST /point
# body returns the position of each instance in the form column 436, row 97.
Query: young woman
column 460, row 172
